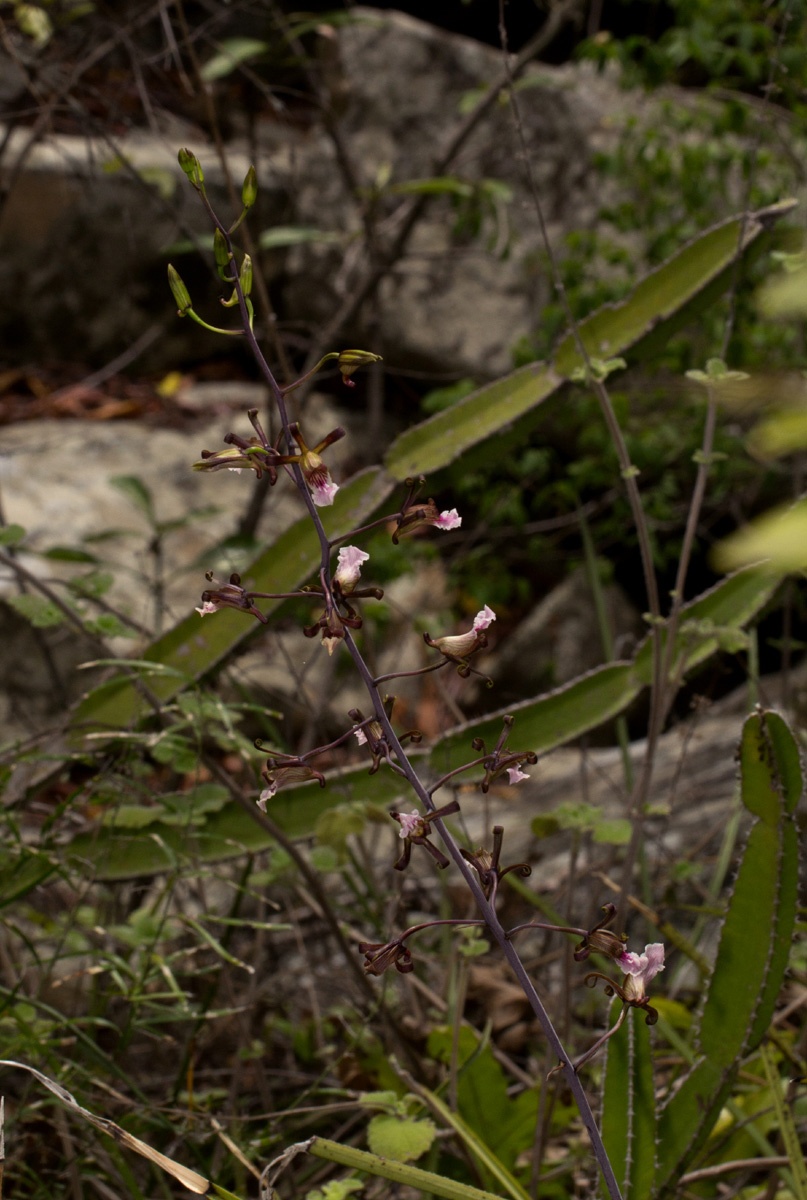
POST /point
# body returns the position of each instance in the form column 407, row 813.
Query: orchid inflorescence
column 337, row 589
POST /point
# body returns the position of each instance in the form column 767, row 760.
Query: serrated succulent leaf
column 787, row 760
column 628, row 1107
column 742, row 957
column 652, row 313
column 549, row 720
column 688, row 1118
column 754, row 943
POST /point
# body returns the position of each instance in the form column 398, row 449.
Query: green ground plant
column 183, row 928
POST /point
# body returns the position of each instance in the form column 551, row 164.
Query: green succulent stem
column 403, row 1173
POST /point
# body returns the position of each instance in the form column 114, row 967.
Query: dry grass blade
column 192, row 1180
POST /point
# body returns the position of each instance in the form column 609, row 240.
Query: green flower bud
column 249, row 191
column 221, row 253
column 191, row 166
column 350, row 360
column 178, row 290
column 246, row 275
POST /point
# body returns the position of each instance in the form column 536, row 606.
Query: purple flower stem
column 554, row 928
column 407, row 674
column 435, row 787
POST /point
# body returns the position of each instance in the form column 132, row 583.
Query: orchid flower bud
column 249, row 190
column 180, row 293
column 192, row 167
column 349, row 361
column 221, row 253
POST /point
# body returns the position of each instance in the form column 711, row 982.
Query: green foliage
column 502, row 1123
column 11, row 535
column 721, row 43
column 335, row 1189
column 629, row 1106
column 655, row 309
column 745, row 982
column 400, row 1138
column 583, row 818
column 41, row 612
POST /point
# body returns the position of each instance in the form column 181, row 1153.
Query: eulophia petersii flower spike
column 481, row 871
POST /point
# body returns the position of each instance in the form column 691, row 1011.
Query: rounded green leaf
column 403, row 1139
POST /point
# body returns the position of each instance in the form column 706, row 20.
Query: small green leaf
column 337, row 824
column 613, row 832
column 177, row 752
column 335, row 1189
column 389, row 1102
column 402, row 1139
column 232, row 52
column 716, row 372
column 108, row 625
column 438, row 186
column 295, row 235
column 544, row 826
column 132, row 816
column 10, row 535
column 34, row 22
column 93, row 584
column 136, row 492
column 785, row 296
column 600, row 369
column 706, row 460
column 36, row 609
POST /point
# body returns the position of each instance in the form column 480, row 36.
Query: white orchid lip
column 448, row 519
column 348, row 567
column 323, row 492
column 417, row 516
column 459, row 645
column 640, row 969
column 484, row 618
column 411, row 823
